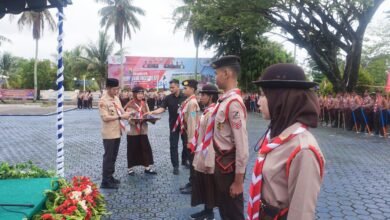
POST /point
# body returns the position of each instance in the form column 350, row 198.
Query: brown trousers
column 229, row 208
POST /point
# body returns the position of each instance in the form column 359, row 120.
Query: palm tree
column 122, row 15
column 37, row 21
column 184, row 18
column 96, row 55
column 4, row 39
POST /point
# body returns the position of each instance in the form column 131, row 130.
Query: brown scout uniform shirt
column 230, row 132
column 110, row 129
column 201, row 163
column 191, row 117
column 133, row 109
column 300, row 191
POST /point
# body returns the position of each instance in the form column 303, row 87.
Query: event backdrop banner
column 156, row 72
column 17, row 93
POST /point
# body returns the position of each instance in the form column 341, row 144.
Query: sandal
column 150, row 171
column 130, row 172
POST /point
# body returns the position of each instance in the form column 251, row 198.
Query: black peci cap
column 230, row 60
column 112, row 82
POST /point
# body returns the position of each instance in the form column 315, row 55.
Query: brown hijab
column 288, row 106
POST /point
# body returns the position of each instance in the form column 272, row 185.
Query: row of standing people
column 367, row 113
column 84, row 100
column 218, row 142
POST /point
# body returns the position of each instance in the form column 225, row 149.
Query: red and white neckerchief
column 194, row 143
column 210, row 124
column 180, row 117
column 121, row 123
column 140, row 115
column 255, row 188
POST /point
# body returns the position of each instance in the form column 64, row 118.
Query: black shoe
column 108, row 185
column 202, row 215
column 116, row 181
column 187, row 190
column 176, row 171
column 150, row 171
column 185, row 186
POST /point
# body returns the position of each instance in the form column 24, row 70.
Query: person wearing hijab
column 203, row 186
column 139, row 152
column 288, row 172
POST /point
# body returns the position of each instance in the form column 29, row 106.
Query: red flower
column 47, row 216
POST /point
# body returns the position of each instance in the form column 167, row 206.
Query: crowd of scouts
column 287, row 175
column 367, row 113
column 84, row 100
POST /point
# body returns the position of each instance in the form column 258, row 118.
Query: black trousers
column 111, row 148
column 174, row 147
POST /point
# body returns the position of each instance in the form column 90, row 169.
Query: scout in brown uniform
column 203, row 186
column 288, row 172
column 186, row 122
column 227, row 130
column 366, row 110
column 139, row 152
column 111, row 113
column 379, row 114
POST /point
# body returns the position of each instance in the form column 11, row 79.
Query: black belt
column 269, row 212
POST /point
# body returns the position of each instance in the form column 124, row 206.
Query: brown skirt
column 139, row 152
column 203, row 190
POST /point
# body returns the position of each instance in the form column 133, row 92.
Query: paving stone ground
column 356, row 184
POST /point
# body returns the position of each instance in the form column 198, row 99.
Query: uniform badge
column 236, row 115
column 236, row 124
column 219, row 126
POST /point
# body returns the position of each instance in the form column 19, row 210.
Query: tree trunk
column 35, row 71
column 196, row 62
column 352, row 66
column 122, row 70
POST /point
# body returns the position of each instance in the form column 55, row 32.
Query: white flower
column 88, row 190
column 83, row 204
column 76, row 195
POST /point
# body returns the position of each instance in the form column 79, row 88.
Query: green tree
column 184, row 18
column 323, row 28
column 121, row 14
column 21, row 77
column 96, row 56
column 75, row 67
column 37, row 21
column 6, row 65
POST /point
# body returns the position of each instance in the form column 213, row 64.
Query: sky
column 155, row 38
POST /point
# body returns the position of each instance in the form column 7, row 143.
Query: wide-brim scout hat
column 229, row 60
column 284, row 75
column 190, row 83
column 137, row 89
column 209, row 89
column 112, row 82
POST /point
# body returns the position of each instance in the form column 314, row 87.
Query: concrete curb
column 49, row 114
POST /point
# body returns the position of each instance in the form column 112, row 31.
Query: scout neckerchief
column 140, row 115
column 255, row 188
column 180, row 117
column 122, row 124
column 194, row 143
column 210, row 124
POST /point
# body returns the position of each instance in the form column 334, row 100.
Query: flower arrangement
column 80, row 199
